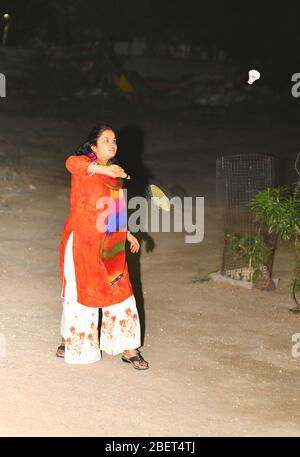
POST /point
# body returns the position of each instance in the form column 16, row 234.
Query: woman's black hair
column 95, row 133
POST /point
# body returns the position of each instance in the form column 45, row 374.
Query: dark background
column 265, row 34
column 247, row 30
column 60, row 63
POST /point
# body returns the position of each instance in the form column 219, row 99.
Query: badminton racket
column 158, row 196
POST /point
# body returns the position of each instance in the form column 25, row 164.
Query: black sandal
column 60, row 352
column 136, row 358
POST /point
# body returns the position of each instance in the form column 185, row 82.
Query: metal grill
column 239, row 178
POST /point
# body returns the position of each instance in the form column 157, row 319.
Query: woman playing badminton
column 93, row 265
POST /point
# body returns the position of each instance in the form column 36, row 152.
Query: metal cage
column 238, row 179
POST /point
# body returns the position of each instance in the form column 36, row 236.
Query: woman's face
column 106, row 147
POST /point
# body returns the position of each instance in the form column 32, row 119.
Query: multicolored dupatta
column 112, row 246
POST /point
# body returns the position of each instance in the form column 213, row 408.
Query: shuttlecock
column 253, row 76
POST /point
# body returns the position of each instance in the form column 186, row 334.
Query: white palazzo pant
column 120, row 328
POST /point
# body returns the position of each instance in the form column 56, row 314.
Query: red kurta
column 93, row 287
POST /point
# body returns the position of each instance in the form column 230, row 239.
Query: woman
column 93, row 265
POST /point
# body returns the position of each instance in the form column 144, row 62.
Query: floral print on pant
column 120, row 328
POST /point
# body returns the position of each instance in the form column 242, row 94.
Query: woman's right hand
column 115, row 171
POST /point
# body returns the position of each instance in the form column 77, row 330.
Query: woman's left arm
column 134, row 244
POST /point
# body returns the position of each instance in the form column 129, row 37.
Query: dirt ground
column 221, row 361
